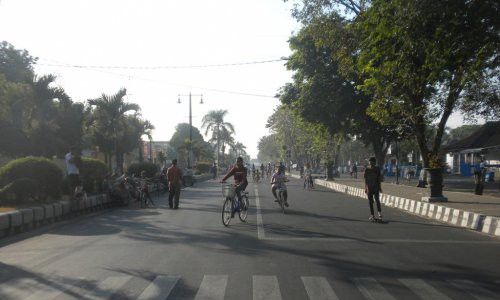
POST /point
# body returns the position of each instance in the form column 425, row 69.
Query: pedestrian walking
column 174, row 176
column 354, row 171
column 479, row 177
column 213, row 170
column 373, row 187
column 73, row 163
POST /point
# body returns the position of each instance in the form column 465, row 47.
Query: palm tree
column 240, row 149
column 42, row 123
column 108, row 121
column 214, row 121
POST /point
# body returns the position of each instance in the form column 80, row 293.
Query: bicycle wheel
column 281, row 201
column 227, row 208
column 244, row 209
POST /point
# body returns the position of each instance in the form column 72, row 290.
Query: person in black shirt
column 373, row 187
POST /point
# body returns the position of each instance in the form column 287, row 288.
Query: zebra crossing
column 266, row 287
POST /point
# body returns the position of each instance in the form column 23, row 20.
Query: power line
column 65, row 65
column 180, row 84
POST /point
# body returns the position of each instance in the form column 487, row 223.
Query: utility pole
column 190, row 124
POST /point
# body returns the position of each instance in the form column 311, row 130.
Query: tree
column 38, row 117
column 108, row 122
column 180, row 141
column 16, row 65
column 422, row 60
column 307, row 10
column 324, row 84
column 161, row 158
column 221, row 131
column 268, row 148
column 462, row 132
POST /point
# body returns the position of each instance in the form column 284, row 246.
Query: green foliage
column 463, row 131
column 221, row 131
column 44, row 172
column 422, row 60
column 16, row 65
column 203, row 167
column 19, row 191
column 269, row 148
column 92, row 173
column 150, row 168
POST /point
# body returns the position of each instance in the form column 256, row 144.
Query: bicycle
column 232, row 206
column 144, row 196
column 307, row 183
column 281, row 197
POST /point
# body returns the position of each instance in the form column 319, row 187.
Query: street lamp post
column 190, row 124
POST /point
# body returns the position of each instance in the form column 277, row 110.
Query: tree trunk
column 422, row 140
column 380, row 147
column 141, row 155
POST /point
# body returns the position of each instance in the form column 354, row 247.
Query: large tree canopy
column 424, row 59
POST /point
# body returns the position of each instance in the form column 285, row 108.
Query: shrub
column 150, row 168
column 45, row 177
column 92, row 173
column 18, row 191
column 203, row 167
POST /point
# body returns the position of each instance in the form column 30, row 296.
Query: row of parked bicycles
column 127, row 189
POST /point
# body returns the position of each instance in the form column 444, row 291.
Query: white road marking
column 107, row 288
column 318, row 288
column 371, row 289
column 266, row 288
column 423, row 290
column 473, row 289
column 260, row 224
column 160, row 288
column 213, row 287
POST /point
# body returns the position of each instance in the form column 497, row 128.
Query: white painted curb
column 475, row 221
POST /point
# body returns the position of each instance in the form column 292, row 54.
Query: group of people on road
column 173, row 174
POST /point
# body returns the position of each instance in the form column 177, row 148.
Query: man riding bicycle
column 240, row 177
column 278, row 180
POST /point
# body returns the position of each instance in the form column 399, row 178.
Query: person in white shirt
column 72, row 161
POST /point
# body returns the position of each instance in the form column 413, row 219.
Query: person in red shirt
column 174, row 177
column 240, row 176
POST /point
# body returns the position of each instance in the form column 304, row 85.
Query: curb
column 25, row 219
column 457, row 217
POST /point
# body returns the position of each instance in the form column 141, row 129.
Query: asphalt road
column 324, row 247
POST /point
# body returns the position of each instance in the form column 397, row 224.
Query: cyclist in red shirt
column 240, row 176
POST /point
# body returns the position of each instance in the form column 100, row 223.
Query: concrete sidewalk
column 479, row 213
column 486, row 204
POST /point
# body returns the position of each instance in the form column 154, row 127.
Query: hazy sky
column 155, row 33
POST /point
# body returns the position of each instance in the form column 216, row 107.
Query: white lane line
column 473, row 289
column 423, row 289
column 260, row 224
column 371, row 289
column 266, row 288
column 160, row 288
column 213, row 287
column 318, row 288
column 107, row 288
